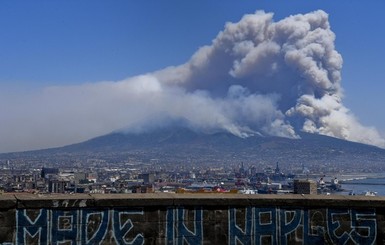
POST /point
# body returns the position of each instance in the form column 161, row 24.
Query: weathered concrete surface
column 165, row 218
column 25, row 201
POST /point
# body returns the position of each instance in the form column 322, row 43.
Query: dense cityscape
column 181, row 160
column 133, row 176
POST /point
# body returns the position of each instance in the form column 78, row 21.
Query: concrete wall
column 191, row 219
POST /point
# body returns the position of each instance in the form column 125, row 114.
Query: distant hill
column 178, row 144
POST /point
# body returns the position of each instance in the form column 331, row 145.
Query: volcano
column 177, row 145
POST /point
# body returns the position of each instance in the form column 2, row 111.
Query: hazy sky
column 70, row 45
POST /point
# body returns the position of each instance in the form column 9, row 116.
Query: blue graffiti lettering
column 191, row 237
column 170, row 224
column 64, row 226
column 366, row 221
column 26, row 227
column 267, row 228
column 246, row 225
column 121, row 229
column 312, row 235
column 93, row 232
column 235, row 232
column 287, row 224
column 360, row 222
column 176, row 229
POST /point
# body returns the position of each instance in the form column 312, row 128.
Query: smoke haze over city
column 258, row 76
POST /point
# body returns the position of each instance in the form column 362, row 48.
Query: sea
column 361, row 185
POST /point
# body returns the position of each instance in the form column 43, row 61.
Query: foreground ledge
column 19, row 201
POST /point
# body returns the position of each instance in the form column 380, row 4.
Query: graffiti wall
column 192, row 224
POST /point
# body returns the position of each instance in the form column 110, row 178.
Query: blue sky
column 71, row 42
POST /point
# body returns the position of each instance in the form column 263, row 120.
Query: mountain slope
column 178, row 145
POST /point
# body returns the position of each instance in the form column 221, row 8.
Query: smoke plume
column 257, row 77
column 292, row 63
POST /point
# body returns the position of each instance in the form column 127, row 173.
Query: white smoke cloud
column 257, row 77
column 294, row 58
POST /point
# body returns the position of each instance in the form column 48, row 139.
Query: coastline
column 359, row 184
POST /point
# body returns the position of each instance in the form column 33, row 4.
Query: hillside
column 181, row 145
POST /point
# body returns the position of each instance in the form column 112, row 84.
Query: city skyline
column 53, row 49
